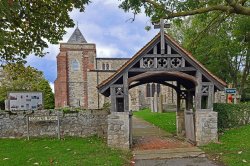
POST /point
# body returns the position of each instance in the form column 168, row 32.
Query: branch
column 233, row 7
column 201, row 10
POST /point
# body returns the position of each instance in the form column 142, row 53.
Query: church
column 80, row 71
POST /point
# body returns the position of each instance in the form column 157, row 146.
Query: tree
column 220, row 42
column 17, row 77
column 168, row 9
column 27, row 25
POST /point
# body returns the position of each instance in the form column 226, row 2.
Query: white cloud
column 52, row 87
column 108, row 51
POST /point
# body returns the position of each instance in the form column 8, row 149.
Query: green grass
column 233, row 149
column 165, row 121
column 68, row 152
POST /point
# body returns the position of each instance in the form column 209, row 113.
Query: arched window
column 148, row 90
column 153, row 90
column 75, row 65
column 107, row 66
column 158, row 89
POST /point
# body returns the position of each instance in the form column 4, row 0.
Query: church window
column 107, row 66
column 148, row 90
column 158, row 89
column 103, row 66
column 75, row 65
column 153, row 90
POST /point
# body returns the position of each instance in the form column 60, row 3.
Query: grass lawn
column 165, row 121
column 68, row 152
column 234, row 147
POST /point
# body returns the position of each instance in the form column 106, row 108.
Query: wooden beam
column 162, row 69
column 210, row 97
column 161, row 74
column 113, row 99
column 162, row 56
column 125, row 90
column 198, row 91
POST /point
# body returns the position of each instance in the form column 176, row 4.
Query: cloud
column 52, row 87
column 108, row 51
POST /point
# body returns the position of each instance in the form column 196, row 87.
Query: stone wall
column 206, row 127
column 119, row 130
column 83, row 123
column 114, row 63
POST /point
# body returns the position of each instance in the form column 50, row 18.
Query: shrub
column 232, row 115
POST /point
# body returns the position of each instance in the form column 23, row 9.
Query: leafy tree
column 220, row 42
column 167, row 9
column 17, row 77
column 26, row 26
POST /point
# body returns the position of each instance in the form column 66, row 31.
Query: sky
column 106, row 25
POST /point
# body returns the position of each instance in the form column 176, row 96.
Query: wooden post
column 198, row 90
column 189, row 100
column 178, row 97
column 125, row 90
column 210, row 96
column 113, row 99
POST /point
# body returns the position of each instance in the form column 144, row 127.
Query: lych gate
column 158, row 64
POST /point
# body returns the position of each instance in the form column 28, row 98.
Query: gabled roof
column 205, row 71
column 77, row 37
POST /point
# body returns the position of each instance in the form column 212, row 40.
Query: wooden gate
column 190, row 126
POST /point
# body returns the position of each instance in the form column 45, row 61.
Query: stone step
column 168, row 153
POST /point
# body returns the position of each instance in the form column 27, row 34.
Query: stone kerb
column 119, row 124
column 206, row 127
column 81, row 124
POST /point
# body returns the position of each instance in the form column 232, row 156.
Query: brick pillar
column 61, row 83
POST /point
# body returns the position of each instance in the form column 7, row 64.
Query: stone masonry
column 119, row 130
column 82, row 124
column 206, row 127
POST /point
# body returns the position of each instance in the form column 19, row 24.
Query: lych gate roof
column 106, row 83
column 77, row 37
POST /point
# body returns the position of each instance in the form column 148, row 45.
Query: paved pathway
column 155, row 147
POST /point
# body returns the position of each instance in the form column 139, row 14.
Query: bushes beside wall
column 232, row 115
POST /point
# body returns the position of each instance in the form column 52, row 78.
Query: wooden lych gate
column 160, row 61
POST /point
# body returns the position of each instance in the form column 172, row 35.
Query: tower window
column 75, row 65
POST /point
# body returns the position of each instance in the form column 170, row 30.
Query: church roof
column 77, row 37
column 140, row 52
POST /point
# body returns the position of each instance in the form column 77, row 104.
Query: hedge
column 232, row 115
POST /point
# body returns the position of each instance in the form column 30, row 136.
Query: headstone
column 160, row 103
column 152, row 104
column 155, row 102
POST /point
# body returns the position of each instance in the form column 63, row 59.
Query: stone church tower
column 76, row 57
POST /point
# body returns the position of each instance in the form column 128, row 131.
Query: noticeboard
column 230, row 90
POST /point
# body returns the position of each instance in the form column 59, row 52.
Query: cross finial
column 162, row 26
column 76, row 24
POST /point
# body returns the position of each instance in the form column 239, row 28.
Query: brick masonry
column 82, row 124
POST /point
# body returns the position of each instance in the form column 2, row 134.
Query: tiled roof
column 145, row 47
column 77, row 37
